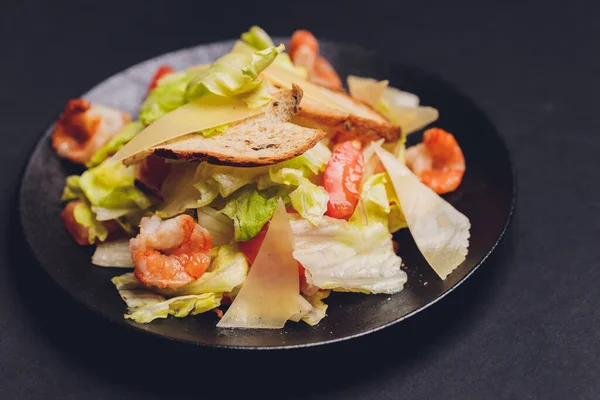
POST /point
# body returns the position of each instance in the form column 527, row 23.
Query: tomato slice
column 251, row 247
column 342, row 179
column 160, row 72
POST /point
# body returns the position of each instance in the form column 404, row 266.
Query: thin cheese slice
column 440, row 231
column 270, row 295
column 192, row 117
column 285, row 78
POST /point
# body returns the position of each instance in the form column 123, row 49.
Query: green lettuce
column 319, row 308
column 313, row 161
column 151, row 306
column 228, row 270
column 235, row 75
column 217, row 224
column 308, row 199
column 84, row 216
column 250, row 211
column 72, row 190
column 112, row 185
column 355, row 255
column 145, row 306
column 257, row 38
column 169, row 94
column 118, row 141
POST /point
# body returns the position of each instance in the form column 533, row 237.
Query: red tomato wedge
column 342, row 179
column 160, row 72
column 251, row 247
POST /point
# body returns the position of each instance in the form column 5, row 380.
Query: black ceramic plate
column 486, row 196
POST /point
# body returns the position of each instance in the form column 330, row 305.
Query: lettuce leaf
column 250, row 211
column 113, row 254
column 228, row 270
column 72, row 190
column 111, row 185
column 169, row 94
column 192, row 185
column 313, row 161
column 217, row 224
column 146, row 306
column 118, row 141
column 319, row 308
column 343, row 256
column 235, row 75
column 308, row 199
column 257, row 38
column 84, row 216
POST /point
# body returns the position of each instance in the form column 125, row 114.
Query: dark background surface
column 524, row 326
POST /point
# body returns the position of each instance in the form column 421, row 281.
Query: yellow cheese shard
column 285, row 78
column 189, row 118
column 270, row 295
column 440, row 231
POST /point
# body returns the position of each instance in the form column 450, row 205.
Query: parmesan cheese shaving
column 440, row 231
column 192, row 117
column 270, row 294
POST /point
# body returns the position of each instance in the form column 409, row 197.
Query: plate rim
column 135, row 328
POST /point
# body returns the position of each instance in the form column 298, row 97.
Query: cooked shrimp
column 170, row 253
column 84, row 128
column 438, row 161
column 304, row 51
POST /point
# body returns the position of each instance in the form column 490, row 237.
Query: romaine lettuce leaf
column 72, row 190
column 168, row 95
column 120, row 139
column 249, row 210
column 235, row 75
column 111, row 185
column 308, row 199
column 319, row 308
column 146, row 306
column 217, row 224
column 84, row 216
column 113, row 254
column 257, row 38
column 346, row 256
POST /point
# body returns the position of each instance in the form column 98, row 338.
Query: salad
column 256, row 186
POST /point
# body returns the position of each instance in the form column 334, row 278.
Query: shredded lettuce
column 84, row 216
column 148, row 306
column 228, row 270
column 127, row 281
column 355, row 255
column 344, row 256
column 235, row 75
column 72, row 190
column 145, row 306
column 168, row 95
column 118, row 141
column 111, row 185
column 308, row 199
column 113, row 254
column 257, row 38
column 217, row 224
column 319, row 308
column 250, row 211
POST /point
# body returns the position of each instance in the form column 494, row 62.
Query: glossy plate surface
column 486, row 196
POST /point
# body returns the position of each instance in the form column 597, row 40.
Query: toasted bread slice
column 264, row 139
column 353, row 120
